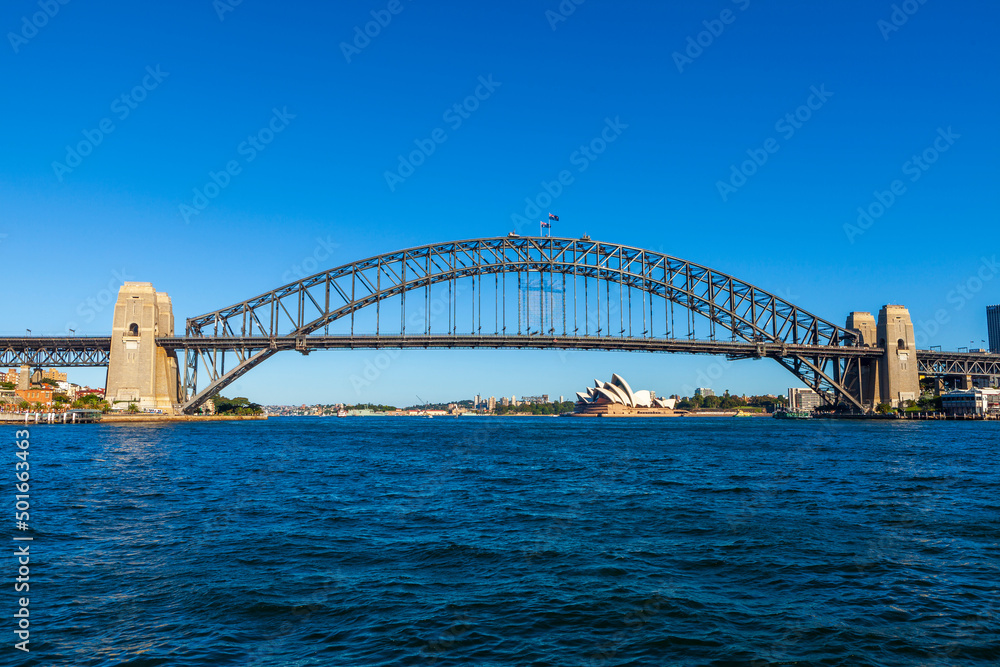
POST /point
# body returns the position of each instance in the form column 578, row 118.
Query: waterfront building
column 703, row 392
column 8, row 397
column 616, row 399
column 53, row 374
column 491, row 405
column 992, row 325
column 803, row 400
column 34, row 395
column 974, row 402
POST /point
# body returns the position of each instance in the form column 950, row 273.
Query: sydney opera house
column 616, row 399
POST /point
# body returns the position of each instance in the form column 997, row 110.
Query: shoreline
column 40, row 418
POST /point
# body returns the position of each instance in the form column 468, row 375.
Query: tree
column 7, row 385
column 132, row 408
column 883, row 408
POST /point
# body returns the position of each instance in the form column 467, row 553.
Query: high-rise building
column 993, row 326
column 805, row 400
column 703, row 392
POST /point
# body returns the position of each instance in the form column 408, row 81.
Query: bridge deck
column 68, row 351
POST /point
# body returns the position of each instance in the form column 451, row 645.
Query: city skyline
column 797, row 174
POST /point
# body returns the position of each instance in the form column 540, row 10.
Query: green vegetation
column 730, row 402
column 883, row 408
column 7, row 385
column 555, row 408
column 372, row 406
column 92, row 402
column 48, row 381
column 132, row 408
column 236, row 406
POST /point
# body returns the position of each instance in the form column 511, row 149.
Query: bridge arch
column 303, row 308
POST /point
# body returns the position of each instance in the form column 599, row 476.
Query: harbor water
column 528, row 541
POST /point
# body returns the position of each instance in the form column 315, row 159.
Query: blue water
column 518, row 541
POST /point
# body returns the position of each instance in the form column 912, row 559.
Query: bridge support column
column 140, row 371
column 863, row 378
column 899, row 379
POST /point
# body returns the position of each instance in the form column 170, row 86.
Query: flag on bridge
column 545, row 225
column 553, row 217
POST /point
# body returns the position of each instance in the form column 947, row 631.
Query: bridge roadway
column 78, row 351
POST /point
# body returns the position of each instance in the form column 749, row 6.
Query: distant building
column 974, row 402
column 992, row 325
column 616, row 399
column 9, row 376
column 803, row 400
column 504, row 401
column 36, row 395
column 53, row 374
column 703, row 392
column 491, row 404
column 80, row 393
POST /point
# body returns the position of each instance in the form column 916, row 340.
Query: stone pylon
column 899, row 376
column 893, row 378
column 140, row 371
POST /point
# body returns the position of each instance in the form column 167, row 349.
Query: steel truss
column 308, row 307
column 75, row 351
column 932, row 362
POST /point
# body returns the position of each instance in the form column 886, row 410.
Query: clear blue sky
column 68, row 233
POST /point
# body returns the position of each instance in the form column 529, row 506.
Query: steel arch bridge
column 570, row 294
